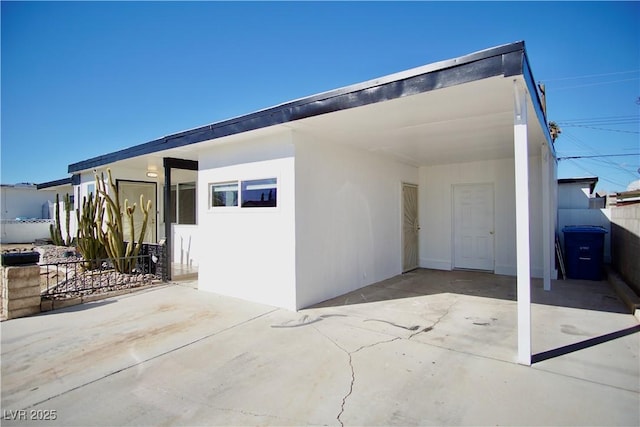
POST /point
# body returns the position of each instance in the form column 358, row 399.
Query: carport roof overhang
column 456, row 110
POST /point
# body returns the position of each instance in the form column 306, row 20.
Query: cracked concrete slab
column 444, row 387
column 425, row 353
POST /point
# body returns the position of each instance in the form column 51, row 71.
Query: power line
column 611, row 120
column 630, row 169
column 592, row 75
column 595, row 174
column 595, row 84
column 582, row 144
column 598, row 156
column 605, row 129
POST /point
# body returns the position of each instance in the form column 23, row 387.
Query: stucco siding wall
column 348, row 213
column 249, row 253
column 436, row 213
column 25, row 202
column 573, row 196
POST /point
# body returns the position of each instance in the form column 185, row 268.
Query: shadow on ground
column 580, row 294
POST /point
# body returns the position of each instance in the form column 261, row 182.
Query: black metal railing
column 76, row 278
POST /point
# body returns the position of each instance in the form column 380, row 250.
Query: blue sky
column 81, row 79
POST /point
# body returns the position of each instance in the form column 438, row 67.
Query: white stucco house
column 25, row 212
column 445, row 166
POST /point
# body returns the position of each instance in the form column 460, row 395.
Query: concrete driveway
column 425, row 348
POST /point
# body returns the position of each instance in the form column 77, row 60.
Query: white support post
column 547, row 241
column 521, row 160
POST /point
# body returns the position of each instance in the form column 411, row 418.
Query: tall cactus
column 55, row 230
column 122, row 257
column 67, row 212
column 89, row 227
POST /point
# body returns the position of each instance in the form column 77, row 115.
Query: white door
column 410, row 227
column 131, row 191
column 473, row 226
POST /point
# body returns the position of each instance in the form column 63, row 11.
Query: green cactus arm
column 67, row 209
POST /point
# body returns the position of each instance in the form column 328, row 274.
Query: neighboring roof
column 506, row 60
column 19, row 185
column 591, row 180
column 56, row 183
column 628, row 197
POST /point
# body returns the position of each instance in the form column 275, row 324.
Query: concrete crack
column 346, row 396
column 353, row 373
column 408, row 328
column 438, row 320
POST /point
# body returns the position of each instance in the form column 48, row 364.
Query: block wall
column 625, row 243
column 20, row 291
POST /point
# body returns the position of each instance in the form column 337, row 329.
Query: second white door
column 473, row 227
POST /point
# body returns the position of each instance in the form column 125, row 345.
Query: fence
column 625, row 242
column 74, row 278
column 24, row 230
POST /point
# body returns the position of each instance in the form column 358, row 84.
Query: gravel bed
column 70, row 281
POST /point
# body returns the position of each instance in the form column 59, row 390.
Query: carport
column 478, row 119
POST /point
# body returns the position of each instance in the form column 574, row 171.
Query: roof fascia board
column 537, row 103
column 170, row 162
column 55, row 183
column 585, row 180
column 591, row 181
column 501, row 60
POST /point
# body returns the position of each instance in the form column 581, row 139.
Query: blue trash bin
column 584, row 251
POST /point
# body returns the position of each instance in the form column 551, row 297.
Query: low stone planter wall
column 20, row 291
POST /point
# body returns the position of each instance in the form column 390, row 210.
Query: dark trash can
column 584, row 251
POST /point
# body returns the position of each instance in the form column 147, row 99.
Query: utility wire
column 595, row 84
column 612, row 120
column 598, row 156
column 595, row 174
column 592, row 75
column 582, row 144
column 604, row 129
column 630, row 169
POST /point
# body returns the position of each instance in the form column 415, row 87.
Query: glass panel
column 260, row 193
column 224, row 194
column 187, row 203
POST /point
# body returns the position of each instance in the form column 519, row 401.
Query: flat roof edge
column 474, row 66
column 55, row 183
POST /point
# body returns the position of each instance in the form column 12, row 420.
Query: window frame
column 219, row 184
column 246, row 182
column 238, row 207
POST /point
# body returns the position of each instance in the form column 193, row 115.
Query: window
column 187, row 203
column 224, row 194
column 259, row 193
column 182, row 209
